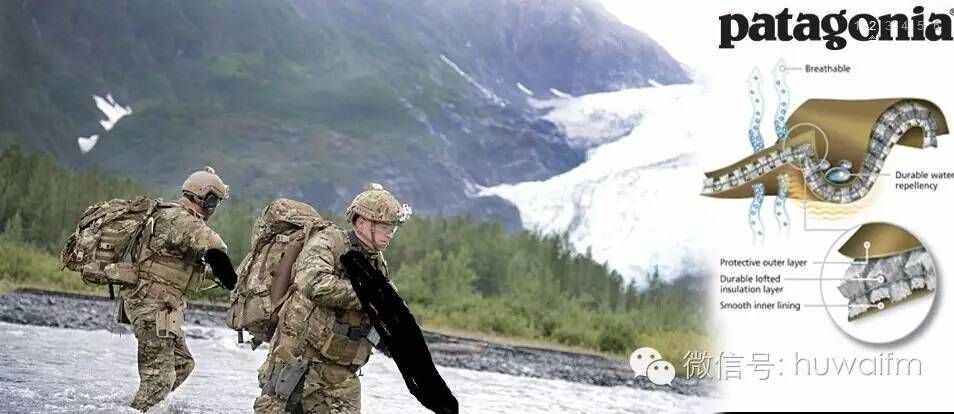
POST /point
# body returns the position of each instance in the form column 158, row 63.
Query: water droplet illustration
column 838, row 175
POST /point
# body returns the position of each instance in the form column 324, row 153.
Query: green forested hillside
column 454, row 272
column 314, row 99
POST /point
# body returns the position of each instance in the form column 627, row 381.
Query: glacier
column 633, row 202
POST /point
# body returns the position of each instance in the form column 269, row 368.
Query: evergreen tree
column 13, row 229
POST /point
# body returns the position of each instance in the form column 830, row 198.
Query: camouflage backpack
column 265, row 273
column 105, row 244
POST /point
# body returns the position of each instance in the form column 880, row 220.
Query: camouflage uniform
column 179, row 238
column 322, row 322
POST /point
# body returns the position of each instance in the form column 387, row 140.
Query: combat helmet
column 206, row 188
column 205, row 181
column 379, row 205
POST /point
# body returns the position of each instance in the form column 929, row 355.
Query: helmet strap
column 374, row 241
column 194, row 205
column 372, row 244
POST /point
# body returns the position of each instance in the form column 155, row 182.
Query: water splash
column 755, row 216
column 758, row 108
column 781, row 210
column 99, row 370
column 782, row 93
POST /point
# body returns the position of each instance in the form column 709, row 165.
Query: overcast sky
column 688, row 30
column 686, row 42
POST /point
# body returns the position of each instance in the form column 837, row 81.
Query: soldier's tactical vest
column 347, row 341
column 172, row 272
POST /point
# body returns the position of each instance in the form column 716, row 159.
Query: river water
column 52, row 370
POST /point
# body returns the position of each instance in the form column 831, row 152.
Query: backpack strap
column 145, row 231
column 316, row 225
column 283, row 272
column 264, row 268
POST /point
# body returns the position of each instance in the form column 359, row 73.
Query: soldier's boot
column 157, row 369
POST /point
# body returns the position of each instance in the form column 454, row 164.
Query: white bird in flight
column 113, row 111
column 87, row 144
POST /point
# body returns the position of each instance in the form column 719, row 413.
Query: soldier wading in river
column 322, row 337
column 179, row 245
